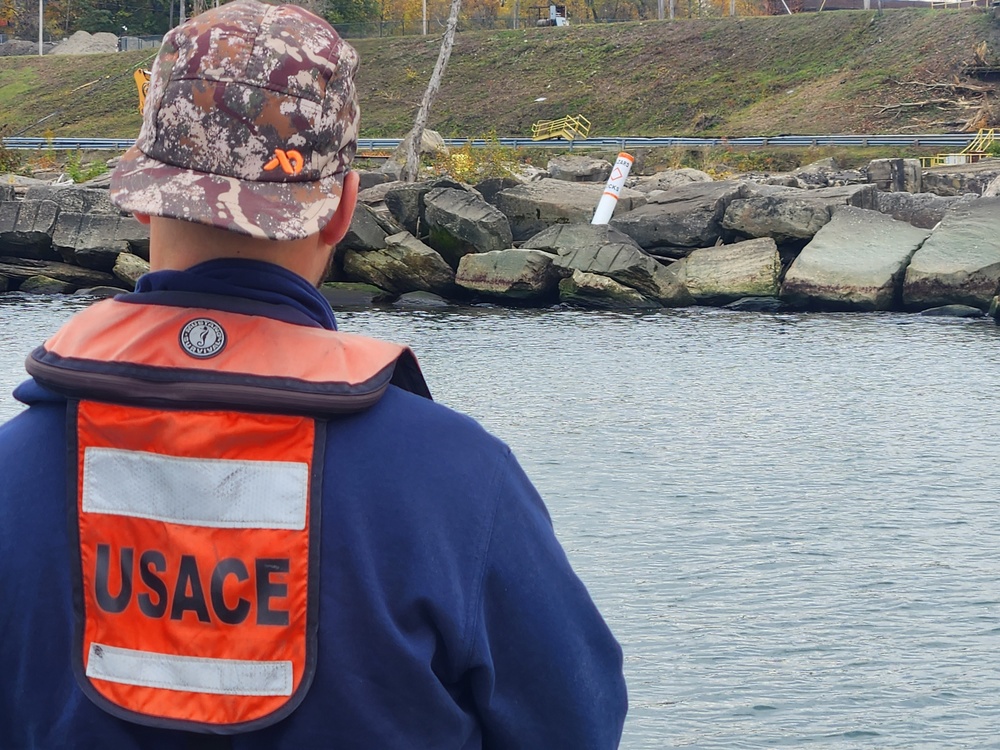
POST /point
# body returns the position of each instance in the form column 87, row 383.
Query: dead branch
column 954, row 87
column 912, row 105
column 923, row 126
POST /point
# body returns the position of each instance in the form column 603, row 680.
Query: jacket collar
column 275, row 292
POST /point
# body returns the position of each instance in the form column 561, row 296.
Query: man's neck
column 178, row 245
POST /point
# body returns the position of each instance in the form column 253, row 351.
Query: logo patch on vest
column 202, row 338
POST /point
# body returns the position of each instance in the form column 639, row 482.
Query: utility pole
column 425, row 17
column 40, row 26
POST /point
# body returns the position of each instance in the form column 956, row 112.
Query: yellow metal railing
column 981, row 143
column 977, row 149
column 570, row 127
column 956, row 4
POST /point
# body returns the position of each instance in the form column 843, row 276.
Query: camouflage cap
column 250, row 124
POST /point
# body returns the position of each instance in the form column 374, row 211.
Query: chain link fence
column 129, row 43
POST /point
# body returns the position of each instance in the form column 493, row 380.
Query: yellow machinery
column 142, row 83
column 570, row 127
column 977, row 149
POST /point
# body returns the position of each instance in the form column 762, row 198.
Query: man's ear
column 142, row 218
column 337, row 227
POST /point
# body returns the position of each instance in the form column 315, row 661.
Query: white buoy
column 609, row 199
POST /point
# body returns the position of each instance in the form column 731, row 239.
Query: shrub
column 80, row 172
column 10, row 160
column 474, row 164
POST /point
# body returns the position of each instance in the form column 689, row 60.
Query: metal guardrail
column 946, row 140
column 67, row 144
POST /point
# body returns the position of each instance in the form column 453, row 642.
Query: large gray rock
column 727, row 273
column 785, row 218
column 365, row 232
column 405, row 201
column 405, row 264
column 420, row 301
column 956, row 179
column 920, row 209
column 20, row 269
column 341, row 294
column 369, row 179
column 374, row 200
column 960, row 262
column 991, row 191
column 598, row 292
column 576, row 168
column 460, row 222
column 45, row 285
column 100, row 292
column 817, row 174
column 953, row 311
column 532, row 207
column 74, row 199
column 895, row 175
column 128, row 268
column 375, row 194
column 629, row 267
column 670, row 179
column 26, row 229
column 788, row 214
column 489, row 187
column 576, row 237
column 855, row 262
column 95, row 240
column 686, row 216
column 515, row 274
column 757, row 304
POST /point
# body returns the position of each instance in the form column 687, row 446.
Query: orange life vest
column 199, row 438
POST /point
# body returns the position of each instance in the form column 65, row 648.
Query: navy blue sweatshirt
column 449, row 615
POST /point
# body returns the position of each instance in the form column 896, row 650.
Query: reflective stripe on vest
column 196, row 591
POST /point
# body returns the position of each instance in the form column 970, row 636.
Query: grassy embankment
column 831, row 72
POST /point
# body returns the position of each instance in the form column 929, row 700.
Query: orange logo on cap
column 291, row 162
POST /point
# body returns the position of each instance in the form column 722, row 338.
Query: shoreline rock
column 818, row 239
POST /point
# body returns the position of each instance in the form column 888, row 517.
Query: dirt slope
column 830, row 72
column 808, row 73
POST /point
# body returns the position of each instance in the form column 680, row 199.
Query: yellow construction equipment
column 978, row 148
column 142, row 83
column 570, row 127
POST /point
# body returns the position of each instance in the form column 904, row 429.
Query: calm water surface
column 790, row 521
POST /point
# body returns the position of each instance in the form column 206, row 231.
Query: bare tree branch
column 955, row 86
column 412, row 141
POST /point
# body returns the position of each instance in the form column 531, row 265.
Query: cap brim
column 270, row 210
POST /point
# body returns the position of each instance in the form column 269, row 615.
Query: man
column 224, row 524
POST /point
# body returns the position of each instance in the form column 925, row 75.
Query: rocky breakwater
column 821, row 238
column 58, row 239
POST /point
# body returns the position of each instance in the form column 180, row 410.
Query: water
column 790, row 521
